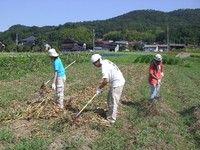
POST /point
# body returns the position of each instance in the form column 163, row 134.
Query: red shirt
column 155, row 70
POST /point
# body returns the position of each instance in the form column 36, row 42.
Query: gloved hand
column 162, row 74
column 98, row 91
column 159, row 81
column 53, row 86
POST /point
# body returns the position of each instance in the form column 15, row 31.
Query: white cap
column 158, row 57
column 95, row 57
column 52, row 52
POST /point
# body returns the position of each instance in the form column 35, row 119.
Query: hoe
column 85, row 105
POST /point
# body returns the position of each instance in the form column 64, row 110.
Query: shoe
column 61, row 106
column 111, row 120
column 152, row 100
column 157, row 97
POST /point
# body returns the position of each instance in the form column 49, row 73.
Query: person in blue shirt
column 58, row 82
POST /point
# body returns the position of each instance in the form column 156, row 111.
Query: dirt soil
column 196, row 125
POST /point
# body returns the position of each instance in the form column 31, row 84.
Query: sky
column 58, row 12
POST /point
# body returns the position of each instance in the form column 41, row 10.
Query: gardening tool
column 44, row 84
column 86, row 105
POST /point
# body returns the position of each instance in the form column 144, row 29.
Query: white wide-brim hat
column 52, row 52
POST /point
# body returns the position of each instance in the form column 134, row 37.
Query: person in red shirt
column 155, row 76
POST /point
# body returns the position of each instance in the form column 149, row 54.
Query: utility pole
column 93, row 39
column 167, row 37
column 16, row 40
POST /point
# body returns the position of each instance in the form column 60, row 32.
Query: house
column 30, row 41
column 177, row 46
column 122, row 43
column 106, row 45
column 162, row 48
column 2, row 46
column 72, row 45
column 99, row 44
column 45, row 46
column 151, row 48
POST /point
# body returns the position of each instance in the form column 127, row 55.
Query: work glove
column 53, row 86
column 98, row 91
column 159, row 81
column 162, row 74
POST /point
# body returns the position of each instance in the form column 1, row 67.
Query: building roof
column 31, row 38
column 177, row 45
column 147, row 46
column 121, row 42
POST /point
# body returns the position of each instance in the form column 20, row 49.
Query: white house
column 122, row 43
column 151, row 48
column 155, row 48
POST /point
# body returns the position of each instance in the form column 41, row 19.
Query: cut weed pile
column 45, row 107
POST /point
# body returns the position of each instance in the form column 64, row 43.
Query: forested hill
column 180, row 22
column 147, row 25
column 154, row 18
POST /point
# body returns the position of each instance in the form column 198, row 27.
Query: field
column 30, row 120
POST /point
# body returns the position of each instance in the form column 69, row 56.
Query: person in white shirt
column 110, row 74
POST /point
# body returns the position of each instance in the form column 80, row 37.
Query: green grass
column 166, row 125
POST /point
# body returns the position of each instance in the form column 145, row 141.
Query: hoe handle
column 70, row 64
column 86, row 105
column 65, row 68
